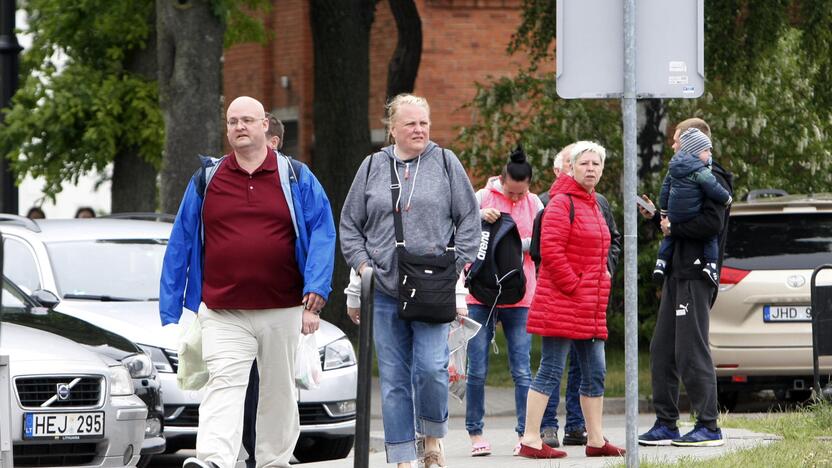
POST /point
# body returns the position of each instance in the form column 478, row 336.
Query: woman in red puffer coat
column 570, row 302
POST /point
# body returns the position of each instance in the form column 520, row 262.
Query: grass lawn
column 500, row 376
column 807, row 441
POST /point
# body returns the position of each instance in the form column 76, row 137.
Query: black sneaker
column 712, row 273
column 658, row 271
column 575, row 437
column 550, row 437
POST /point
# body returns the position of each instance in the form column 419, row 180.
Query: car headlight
column 139, row 365
column 159, row 358
column 120, row 382
column 338, row 354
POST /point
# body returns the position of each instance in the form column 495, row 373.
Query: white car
column 106, row 271
column 71, row 405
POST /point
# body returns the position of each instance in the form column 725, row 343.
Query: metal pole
column 628, row 115
column 9, row 74
column 361, row 450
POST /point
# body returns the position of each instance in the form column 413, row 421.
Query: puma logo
column 682, row 310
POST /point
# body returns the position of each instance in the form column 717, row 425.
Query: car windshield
column 108, row 270
column 786, row 241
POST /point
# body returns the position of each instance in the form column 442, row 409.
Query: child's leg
column 666, row 249
column 665, row 253
column 711, row 254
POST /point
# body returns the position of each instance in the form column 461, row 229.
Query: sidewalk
column 500, row 422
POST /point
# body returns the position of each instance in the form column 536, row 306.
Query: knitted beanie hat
column 694, row 142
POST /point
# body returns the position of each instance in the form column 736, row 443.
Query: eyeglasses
column 232, row 122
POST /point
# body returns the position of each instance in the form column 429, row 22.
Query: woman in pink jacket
column 571, row 301
column 507, row 193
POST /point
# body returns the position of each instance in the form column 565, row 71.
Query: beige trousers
column 231, row 339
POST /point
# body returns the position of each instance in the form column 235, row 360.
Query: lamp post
column 9, row 74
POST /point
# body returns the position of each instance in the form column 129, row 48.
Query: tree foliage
column 84, row 101
column 78, row 106
column 767, row 101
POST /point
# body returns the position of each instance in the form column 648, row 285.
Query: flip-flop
column 480, row 449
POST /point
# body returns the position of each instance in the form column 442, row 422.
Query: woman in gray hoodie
column 436, row 201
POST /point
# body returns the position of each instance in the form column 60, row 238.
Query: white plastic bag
column 462, row 329
column 307, row 363
column 192, row 373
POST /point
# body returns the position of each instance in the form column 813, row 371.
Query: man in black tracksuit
column 679, row 347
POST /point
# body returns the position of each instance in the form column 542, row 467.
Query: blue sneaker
column 659, row 434
column 700, row 436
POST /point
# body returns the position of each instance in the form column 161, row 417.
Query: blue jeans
column 519, row 346
column 591, row 360
column 574, row 415
column 413, row 371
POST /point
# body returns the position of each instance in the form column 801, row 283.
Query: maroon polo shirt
column 249, row 240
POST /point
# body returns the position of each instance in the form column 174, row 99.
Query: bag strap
column 395, row 191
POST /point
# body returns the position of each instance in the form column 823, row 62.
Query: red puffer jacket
column 573, row 286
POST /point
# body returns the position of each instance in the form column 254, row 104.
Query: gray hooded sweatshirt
column 433, row 200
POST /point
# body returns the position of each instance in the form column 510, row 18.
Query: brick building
column 463, row 41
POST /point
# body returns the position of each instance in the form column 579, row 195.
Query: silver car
column 106, row 271
column 71, row 406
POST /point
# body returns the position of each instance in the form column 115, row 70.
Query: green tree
column 88, row 99
column 94, row 92
column 766, row 101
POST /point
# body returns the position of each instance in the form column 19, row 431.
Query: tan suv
column 761, row 330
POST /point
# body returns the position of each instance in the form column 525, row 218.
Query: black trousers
column 679, row 349
column 250, row 414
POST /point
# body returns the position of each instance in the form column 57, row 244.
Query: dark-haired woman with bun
column 506, row 193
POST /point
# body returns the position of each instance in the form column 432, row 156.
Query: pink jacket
column 523, row 213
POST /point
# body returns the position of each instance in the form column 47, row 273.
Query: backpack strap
column 295, row 167
column 571, row 207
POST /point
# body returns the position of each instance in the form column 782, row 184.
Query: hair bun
column 518, row 155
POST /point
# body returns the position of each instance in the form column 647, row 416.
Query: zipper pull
column 406, row 171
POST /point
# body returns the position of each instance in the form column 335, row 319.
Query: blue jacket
column 181, row 282
column 685, row 187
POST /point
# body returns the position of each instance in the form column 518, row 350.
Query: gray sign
column 670, row 48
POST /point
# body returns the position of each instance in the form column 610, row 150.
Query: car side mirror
column 45, row 298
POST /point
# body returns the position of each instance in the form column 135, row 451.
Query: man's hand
column 355, row 315
column 311, row 322
column 490, row 215
column 313, row 302
column 665, row 224
column 645, row 213
column 462, row 311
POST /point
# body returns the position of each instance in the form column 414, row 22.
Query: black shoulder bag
column 427, row 283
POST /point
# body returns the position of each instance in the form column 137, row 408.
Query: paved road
column 500, row 432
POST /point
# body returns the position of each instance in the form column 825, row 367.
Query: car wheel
column 727, row 400
column 144, row 461
column 312, row 449
column 799, row 396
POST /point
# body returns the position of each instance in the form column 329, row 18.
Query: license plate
column 64, row 426
column 791, row 313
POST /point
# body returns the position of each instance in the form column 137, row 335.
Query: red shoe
column 608, row 450
column 543, row 452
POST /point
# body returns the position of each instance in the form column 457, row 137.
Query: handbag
column 427, row 283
